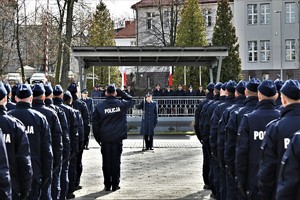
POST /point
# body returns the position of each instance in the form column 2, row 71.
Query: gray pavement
column 171, row 171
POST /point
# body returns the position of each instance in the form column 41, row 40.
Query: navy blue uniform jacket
column 276, row 140
column 250, row 135
column 5, row 185
column 110, row 120
column 17, row 146
column 149, row 120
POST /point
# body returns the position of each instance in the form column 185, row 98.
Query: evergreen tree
column 102, row 34
column 191, row 33
column 224, row 35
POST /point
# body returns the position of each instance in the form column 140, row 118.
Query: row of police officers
column 42, row 135
column 248, row 134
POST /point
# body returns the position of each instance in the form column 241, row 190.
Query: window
column 149, row 21
column 132, row 43
column 252, row 13
column 208, row 17
column 290, row 13
column 252, row 51
column 265, row 13
column 265, row 50
column 290, row 50
column 167, row 19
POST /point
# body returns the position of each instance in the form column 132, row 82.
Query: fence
column 176, row 106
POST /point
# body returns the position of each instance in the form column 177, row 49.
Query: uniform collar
column 3, row 110
column 240, row 99
column 48, row 102
column 38, row 102
column 291, row 110
column 266, row 104
column 57, row 100
column 250, row 101
column 23, row 105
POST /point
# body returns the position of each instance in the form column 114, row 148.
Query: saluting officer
column 250, row 135
column 10, row 105
column 73, row 136
column 56, row 136
column 5, row 181
column 234, row 123
column 288, row 187
column 39, row 135
column 277, row 138
column 110, row 129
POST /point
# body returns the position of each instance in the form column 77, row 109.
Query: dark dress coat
column 150, row 116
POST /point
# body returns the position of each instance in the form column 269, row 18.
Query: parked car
column 13, row 78
column 38, row 78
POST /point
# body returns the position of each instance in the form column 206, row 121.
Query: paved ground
column 171, row 171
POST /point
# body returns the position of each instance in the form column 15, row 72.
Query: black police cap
column 72, row 88
column 48, row 89
column 24, row 91
column 253, row 84
column 38, row 89
column 67, row 96
column 3, row 91
column 291, row 89
column 111, row 88
column 7, row 87
column 57, row 90
column 240, row 87
column 267, row 88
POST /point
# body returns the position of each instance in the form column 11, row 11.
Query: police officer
column 5, row 181
column 289, row 178
column 73, row 136
column 240, row 97
column 10, row 105
column 234, row 123
column 215, row 140
column 39, row 135
column 278, row 84
column 17, row 146
column 89, row 103
column 250, row 135
column 81, row 106
column 110, row 128
column 277, row 138
column 56, row 136
column 149, row 120
column 14, row 91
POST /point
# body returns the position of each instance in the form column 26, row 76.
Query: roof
column 155, row 3
column 128, row 31
column 149, row 56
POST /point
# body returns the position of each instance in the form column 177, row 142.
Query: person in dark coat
column 110, row 129
column 5, row 181
column 96, row 93
column 288, row 187
column 65, row 138
column 168, row 91
column 277, row 138
column 149, row 120
column 89, row 103
column 199, row 133
column 17, row 147
column 200, row 91
column 129, row 91
column 190, row 91
column 233, row 124
column 278, row 84
column 70, row 168
column 39, row 135
column 81, row 106
column 157, row 91
column 10, row 105
column 250, row 135
column 180, row 91
column 14, row 91
column 56, row 137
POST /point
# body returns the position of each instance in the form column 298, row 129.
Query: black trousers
column 206, row 162
column 111, row 156
column 148, row 141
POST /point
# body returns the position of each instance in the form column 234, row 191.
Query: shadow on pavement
column 94, row 195
column 203, row 195
column 162, row 136
column 130, row 153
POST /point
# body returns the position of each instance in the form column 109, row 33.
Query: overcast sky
column 117, row 8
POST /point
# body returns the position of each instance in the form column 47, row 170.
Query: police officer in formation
column 39, row 135
column 56, row 137
column 10, row 105
column 107, row 114
column 5, row 181
column 250, row 135
column 277, row 138
column 17, row 146
column 89, row 103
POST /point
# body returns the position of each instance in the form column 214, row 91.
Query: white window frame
column 252, row 14
column 290, row 49
column 290, row 12
column 252, row 51
column 265, row 13
column 265, row 50
column 208, row 17
column 149, row 20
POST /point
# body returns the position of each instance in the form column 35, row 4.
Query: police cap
column 223, row 87
column 218, row 86
column 72, row 88
column 67, row 96
column 7, row 87
column 230, row 87
column 253, row 84
column 240, row 87
column 3, row 91
column 111, row 89
column 48, row 89
column 291, row 89
column 279, row 84
column 23, row 91
column 267, row 88
column 210, row 87
column 57, row 90
column 38, row 90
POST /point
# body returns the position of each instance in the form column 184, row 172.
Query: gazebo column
column 211, row 74
column 219, row 68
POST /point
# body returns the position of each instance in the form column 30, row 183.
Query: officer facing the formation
column 56, row 136
column 89, row 103
column 5, row 181
column 17, row 146
column 149, row 120
column 250, row 135
column 110, row 128
column 234, row 122
column 277, row 138
column 73, row 137
column 10, row 105
column 39, row 135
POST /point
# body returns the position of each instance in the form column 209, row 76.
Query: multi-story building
column 267, row 31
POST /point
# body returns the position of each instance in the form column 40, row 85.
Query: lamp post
column 281, row 57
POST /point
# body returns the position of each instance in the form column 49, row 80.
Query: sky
column 117, row 8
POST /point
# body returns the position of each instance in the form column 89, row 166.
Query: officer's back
column 5, row 181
